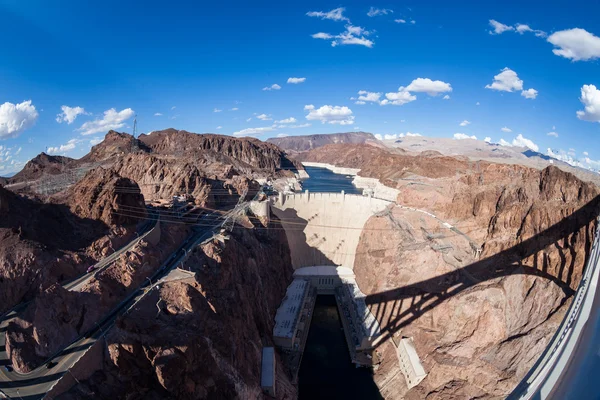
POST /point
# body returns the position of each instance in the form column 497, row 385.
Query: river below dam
column 327, row 371
column 324, row 180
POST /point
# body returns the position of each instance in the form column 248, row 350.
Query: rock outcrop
column 479, row 322
column 104, row 195
column 202, row 337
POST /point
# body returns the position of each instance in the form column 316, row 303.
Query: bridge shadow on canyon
column 425, row 295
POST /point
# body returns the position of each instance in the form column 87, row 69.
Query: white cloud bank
column 352, row 35
column 404, row 95
column 465, row 123
column 253, row 131
column 64, row 148
column 69, row 114
column 521, row 141
column 590, row 98
column 15, row 118
column 575, row 44
column 499, row 28
column 272, row 87
column 508, row 81
column 330, row 114
column 290, row 120
column 337, row 14
column 426, row 85
column 295, row 81
column 583, row 162
column 463, row 136
column 506, row 129
column 373, row 12
column 554, row 134
column 112, row 119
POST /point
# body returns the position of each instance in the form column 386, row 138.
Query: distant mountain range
column 298, row 144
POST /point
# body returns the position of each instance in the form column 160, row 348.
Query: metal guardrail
column 549, row 362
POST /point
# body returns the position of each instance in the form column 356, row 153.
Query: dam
column 323, row 230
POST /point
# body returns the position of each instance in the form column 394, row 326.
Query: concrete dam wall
column 324, row 228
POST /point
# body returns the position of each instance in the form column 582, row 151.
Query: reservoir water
column 324, row 180
column 327, row 371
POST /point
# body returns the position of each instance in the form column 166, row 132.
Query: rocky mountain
column 43, row 164
column 201, row 337
column 42, row 243
column 298, row 144
column 103, row 195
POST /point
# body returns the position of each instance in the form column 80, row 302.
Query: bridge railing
column 546, row 372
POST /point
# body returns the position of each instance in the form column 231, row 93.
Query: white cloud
column 413, row 21
column 585, row 162
column 253, row 131
column 272, row 87
column 280, row 135
column 219, row 127
column 336, row 14
column 465, row 123
column 249, row 119
column 331, row 115
column 477, row 103
column 576, row 44
column 309, row 107
column 522, row 28
column 446, row 97
column 368, row 96
column 400, row 21
column 398, row 98
column 296, row 80
column 378, row 136
column 499, row 27
column 63, row 148
column 590, row 98
column 234, row 109
column 521, row 141
column 306, row 125
column 321, row 35
column 95, row 141
column 157, row 114
column 503, row 142
column 20, row 148
column 529, row 93
column 69, row 114
column 15, row 118
column 352, row 35
column 290, row 120
column 264, row 117
column 217, row 110
column 463, row 136
column 426, row 85
column 373, row 12
column 585, row 153
column 487, row 139
column 505, row 129
column 112, row 119
column 506, row 81
column 174, row 107
column 360, row 102
column 408, row 134
column 552, row 134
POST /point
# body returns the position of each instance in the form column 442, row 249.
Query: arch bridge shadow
column 428, row 294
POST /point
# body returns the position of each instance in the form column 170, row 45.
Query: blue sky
column 185, row 60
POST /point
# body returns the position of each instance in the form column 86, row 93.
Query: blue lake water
column 323, row 180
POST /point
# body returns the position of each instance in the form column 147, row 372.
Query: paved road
column 8, row 380
column 36, row 384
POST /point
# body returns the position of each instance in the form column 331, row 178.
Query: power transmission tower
column 134, row 142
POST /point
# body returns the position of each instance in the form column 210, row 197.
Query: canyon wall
column 202, row 337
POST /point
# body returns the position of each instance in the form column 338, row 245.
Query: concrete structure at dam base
column 293, row 317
